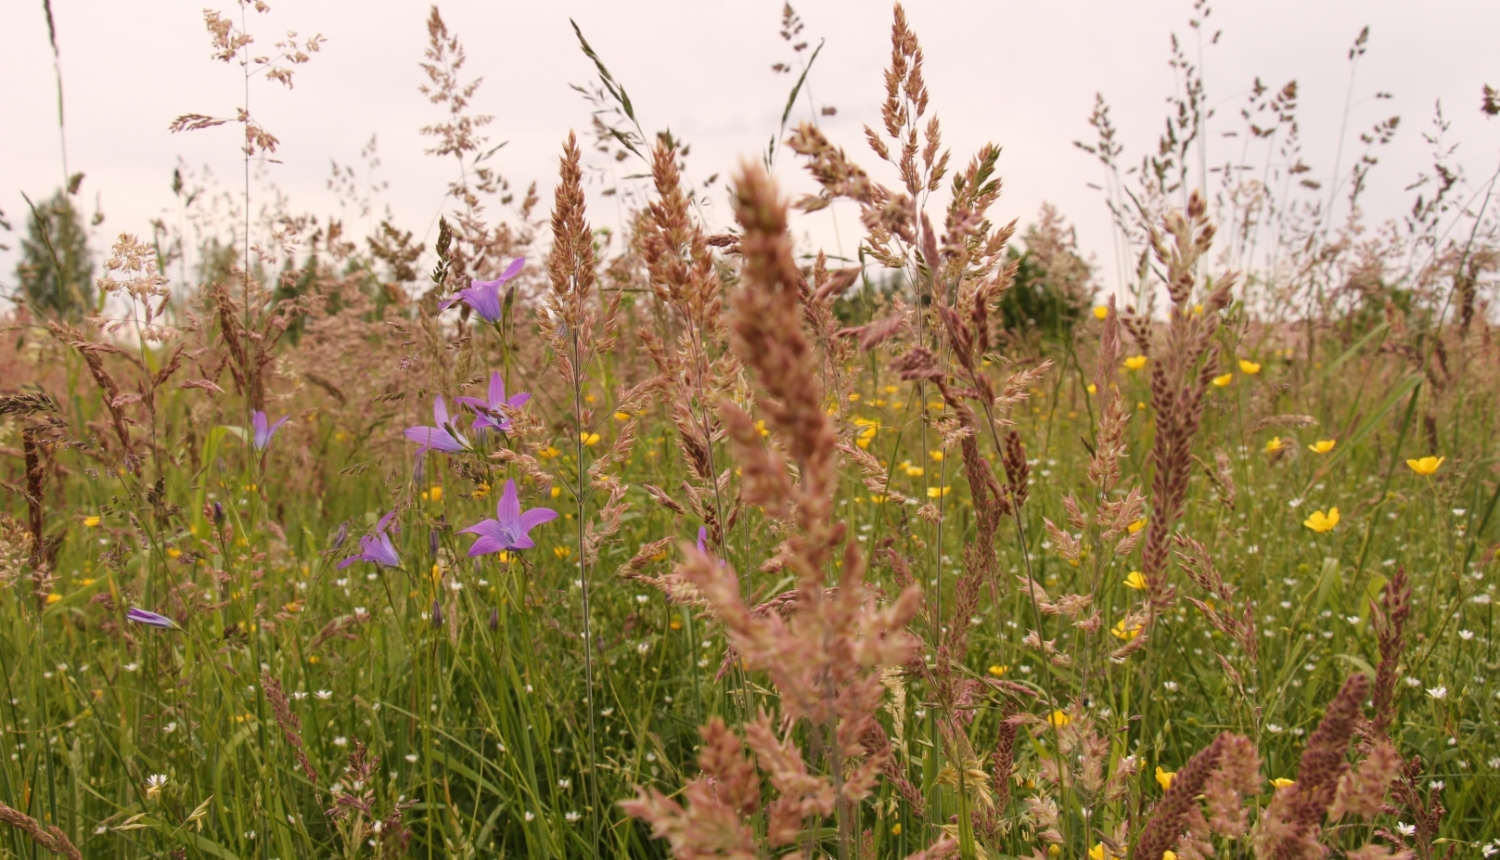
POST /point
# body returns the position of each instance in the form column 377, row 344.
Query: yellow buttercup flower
column 556, row 491
column 1135, row 362
column 1322, row 446
column 937, row 492
column 1424, row 466
column 1100, row 312
column 548, row 453
column 760, row 425
column 912, row 471
column 1321, row 522
column 892, row 389
column 589, row 439
column 1224, row 380
column 1099, row 852
column 1093, row 389
column 622, row 416
column 52, row 598
column 91, row 522
column 174, row 552
column 854, row 397
column 1135, row 579
column 1136, row 526
column 1274, row 445
column 937, row 456
column 1164, row 778
column 1119, row 631
column 999, row 670
column 896, row 829
column 1058, row 719
column 1248, row 367
column 561, row 551
column 1282, row 782
column 434, row 494
column 1169, row 854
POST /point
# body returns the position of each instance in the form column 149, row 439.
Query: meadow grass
column 846, row 561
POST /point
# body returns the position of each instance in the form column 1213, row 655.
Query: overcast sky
column 1021, row 74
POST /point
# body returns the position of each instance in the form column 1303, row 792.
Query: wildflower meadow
column 692, row 539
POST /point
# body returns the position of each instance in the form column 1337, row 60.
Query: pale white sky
column 1022, row 74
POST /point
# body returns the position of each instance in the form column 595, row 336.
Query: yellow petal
column 1135, row 579
column 1224, row 380
column 1248, row 367
column 1135, row 362
column 1100, row 312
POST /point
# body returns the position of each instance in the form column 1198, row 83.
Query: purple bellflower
column 491, row 411
column 264, row 430
column 484, row 296
column 508, row 530
column 444, row 437
column 151, row 619
column 376, row 547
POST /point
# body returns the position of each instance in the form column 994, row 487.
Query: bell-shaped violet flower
column 484, row 296
column 264, row 430
column 444, row 437
column 376, row 547
column 508, row 530
column 491, row 411
column 150, row 619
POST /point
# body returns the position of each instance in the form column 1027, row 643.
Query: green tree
column 55, row 276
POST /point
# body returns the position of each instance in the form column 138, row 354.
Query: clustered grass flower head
column 376, row 547
column 509, row 529
column 264, row 429
column 490, row 412
column 484, row 296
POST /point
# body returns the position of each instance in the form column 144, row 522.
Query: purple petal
column 439, row 411
column 535, row 517
column 497, row 390
column 486, row 528
column 513, row 269
column 523, row 542
column 508, row 509
column 151, row 619
column 475, row 402
column 434, row 438
column 384, row 522
column 703, row 539
column 258, row 420
column 486, row 545
column 519, row 400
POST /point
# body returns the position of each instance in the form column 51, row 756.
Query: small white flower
column 571, row 815
column 530, row 816
column 341, row 741
column 1406, row 829
column 1482, row 599
column 1352, row 619
column 169, row 728
column 1489, row 849
column 1171, row 686
column 1466, row 635
column 1436, row 785
column 1458, row 512
column 324, row 695
column 411, row 757
column 1294, row 503
column 565, row 783
column 643, row 647
column 1274, row 729
column 1439, row 692
column 642, row 598
column 299, row 695
column 1495, row 762
column 154, row 784
column 131, row 667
